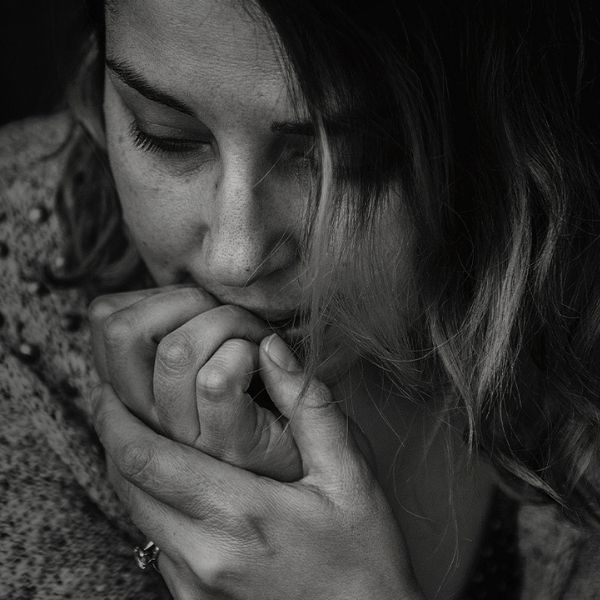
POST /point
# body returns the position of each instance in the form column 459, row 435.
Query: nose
column 247, row 238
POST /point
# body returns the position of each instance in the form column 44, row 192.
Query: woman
column 383, row 214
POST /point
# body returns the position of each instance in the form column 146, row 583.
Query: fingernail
column 280, row 354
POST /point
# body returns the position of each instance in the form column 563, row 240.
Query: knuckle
column 218, row 574
column 100, row 308
column 137, row 461
column 318, row 396
column 117, row 329
column 213, row 381
column 225, row 572
column 175, row 352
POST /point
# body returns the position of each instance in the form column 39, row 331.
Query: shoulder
column 42, row 327
column 46, row 367
column 33, row 154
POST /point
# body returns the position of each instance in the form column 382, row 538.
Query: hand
column 227, row 533
column 182, row 363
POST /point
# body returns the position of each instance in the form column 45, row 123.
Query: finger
column 153, row 518
column 179, row 580
column 232, row 426
column 172, row 473
column 182, row 353
column 187, row 547
column 131, row 336
column 319, row 427
column 185, row 584
column 98, row 311
column 221, row 399
column 102, row 307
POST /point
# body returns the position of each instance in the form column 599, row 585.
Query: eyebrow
column 134, row 79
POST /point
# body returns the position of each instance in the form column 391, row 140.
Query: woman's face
column 210, row 159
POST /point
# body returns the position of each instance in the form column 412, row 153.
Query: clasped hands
column 243, row 504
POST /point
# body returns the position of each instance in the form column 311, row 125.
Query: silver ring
column 147, row 556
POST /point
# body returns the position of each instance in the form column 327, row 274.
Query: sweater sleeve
column 63, row 533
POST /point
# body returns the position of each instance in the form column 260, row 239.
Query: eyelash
column 157, row 145
column 174, row 147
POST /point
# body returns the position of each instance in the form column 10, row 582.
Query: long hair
column 472, row 127
column 99, row 254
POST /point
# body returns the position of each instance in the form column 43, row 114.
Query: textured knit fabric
column 63, row 533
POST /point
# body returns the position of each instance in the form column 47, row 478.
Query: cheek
column 163, row 213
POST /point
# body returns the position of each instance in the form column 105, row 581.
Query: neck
column 438, row 493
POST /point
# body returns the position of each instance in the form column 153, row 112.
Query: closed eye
column 164, row 145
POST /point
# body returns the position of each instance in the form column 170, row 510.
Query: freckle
column 120, row 139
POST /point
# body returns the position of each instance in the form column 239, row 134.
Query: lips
column 276, row 318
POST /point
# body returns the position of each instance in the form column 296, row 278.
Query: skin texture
column 216, row 215
column 226, row 533
column 193, row 391
column 226, row 215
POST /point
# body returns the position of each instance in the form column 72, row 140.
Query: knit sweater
column 63, row 533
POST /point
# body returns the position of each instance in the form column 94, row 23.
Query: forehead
column 201, row 49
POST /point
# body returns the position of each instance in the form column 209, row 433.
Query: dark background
column 39, row 43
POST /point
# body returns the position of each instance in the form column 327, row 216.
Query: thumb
column 320, row 428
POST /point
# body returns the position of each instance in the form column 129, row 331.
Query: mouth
column 290, row 324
